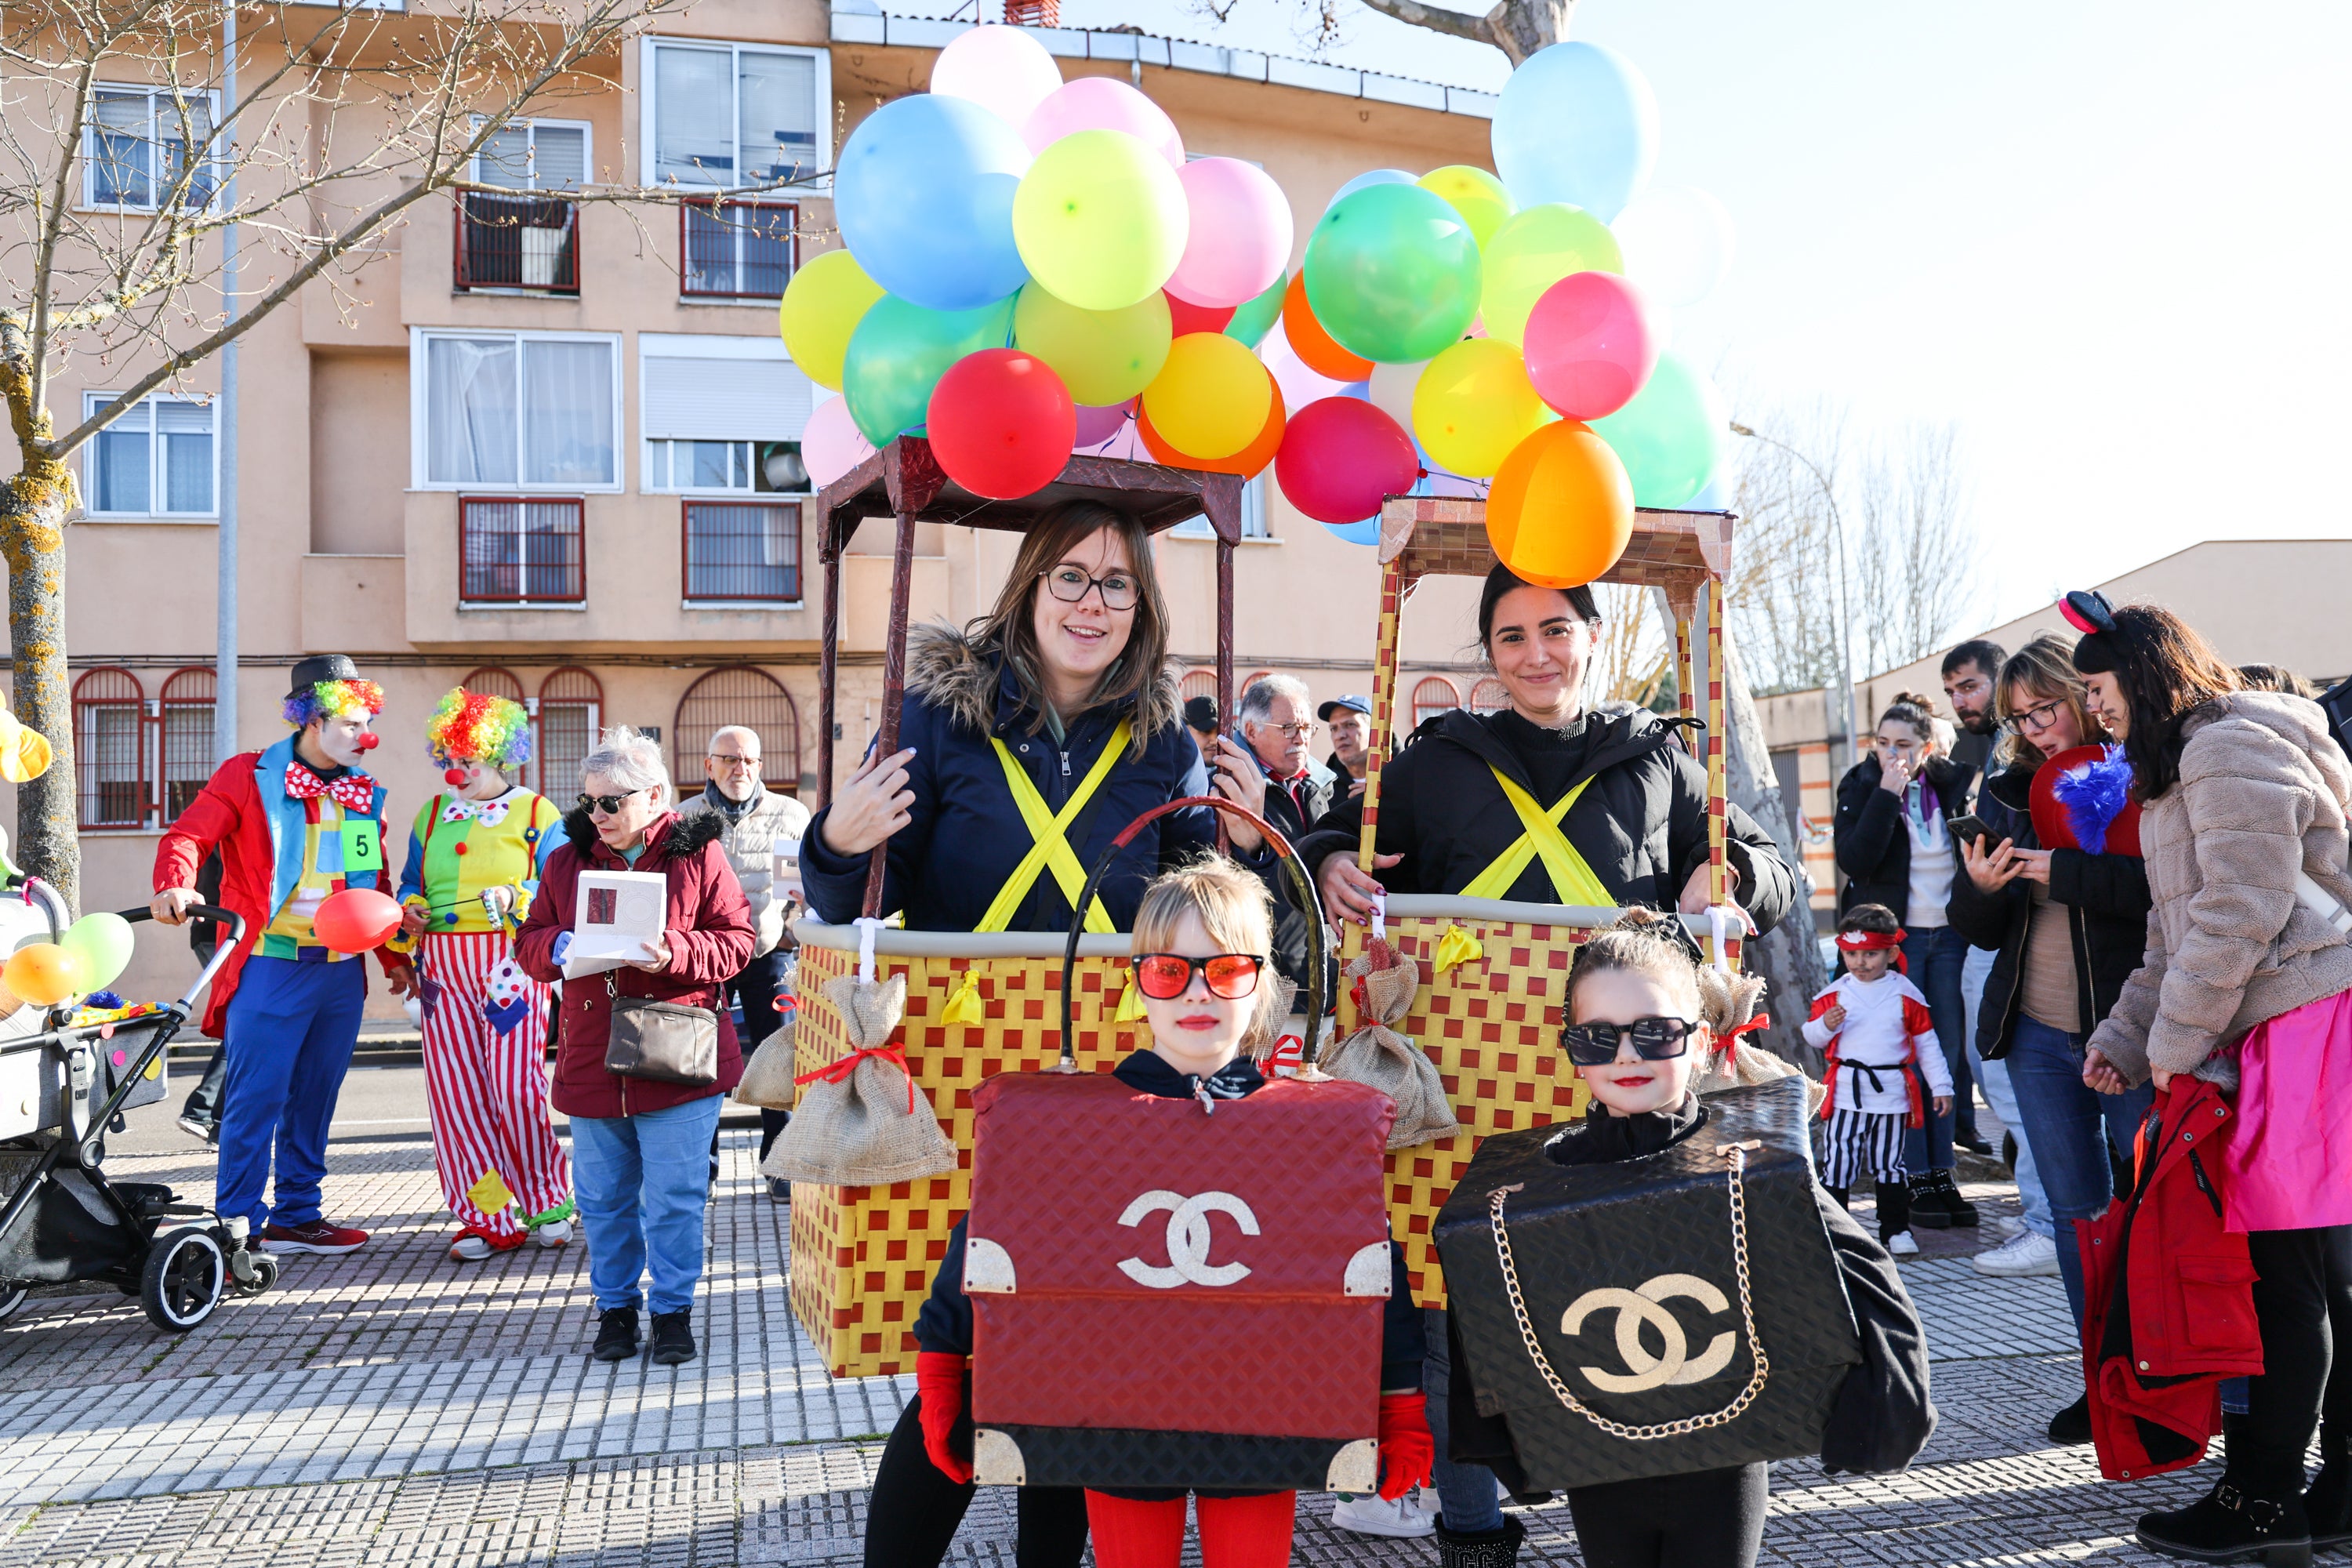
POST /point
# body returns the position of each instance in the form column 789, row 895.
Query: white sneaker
column 555, row 1232
column 1375, row 1516
column 1901, row 1245
column 469, row 1248
column 2022, row 1254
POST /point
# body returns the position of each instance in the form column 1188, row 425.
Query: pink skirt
column 2290, row 1156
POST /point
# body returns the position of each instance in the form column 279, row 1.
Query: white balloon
column 1392, row 387
column 1678, row 242
column 1003, row 69
column 1300, row 384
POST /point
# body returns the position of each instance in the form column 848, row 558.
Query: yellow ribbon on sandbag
column 965, row 1006
column 1131, row 1001
column 1456, row 948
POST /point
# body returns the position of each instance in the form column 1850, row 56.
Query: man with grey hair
column 759, row 823
column 1276, row 717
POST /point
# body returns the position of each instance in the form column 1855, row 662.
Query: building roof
column 864, row 22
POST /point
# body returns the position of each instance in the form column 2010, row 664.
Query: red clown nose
column 457, row 777
column 368, row 741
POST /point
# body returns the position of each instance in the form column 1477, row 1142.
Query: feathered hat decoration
column 475, row 727
column 2081, row 799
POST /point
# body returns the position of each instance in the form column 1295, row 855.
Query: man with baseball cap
column 1350, row 720
column 294, row 824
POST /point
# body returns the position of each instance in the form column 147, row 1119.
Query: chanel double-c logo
column 1635, row 1308
column 1188, row 1239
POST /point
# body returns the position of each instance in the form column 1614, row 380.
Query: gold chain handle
column 1736, row 1154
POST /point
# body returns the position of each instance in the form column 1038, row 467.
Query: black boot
column 1485, row 1548
column 1937, row 1205
column 2328, row 1503
column 2072, row 1426
column 616, row 1334
column 2228, row 1526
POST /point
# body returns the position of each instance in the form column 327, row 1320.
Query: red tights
column 1235, row 1532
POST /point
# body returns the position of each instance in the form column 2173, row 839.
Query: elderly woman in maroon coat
column 640, row 1148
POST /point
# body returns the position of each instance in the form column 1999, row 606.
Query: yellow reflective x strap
column 1050, row 846
column 1573, row 879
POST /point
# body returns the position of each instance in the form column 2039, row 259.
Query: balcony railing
column 516, row 550
column 736, row 251
column 743, row 551
column 518, row 242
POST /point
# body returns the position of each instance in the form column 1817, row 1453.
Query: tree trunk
column 34, row 506
column 1788, row 956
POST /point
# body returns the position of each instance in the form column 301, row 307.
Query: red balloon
column 1340, row 456
column 1002, row 422
column 1588, row 347
column 355, row 920
column 1183, row 316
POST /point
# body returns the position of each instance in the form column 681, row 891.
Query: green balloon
column 102, row 941
column 1673, row 437
column 899, row 352
column 1255, row 317
column 1392, row 274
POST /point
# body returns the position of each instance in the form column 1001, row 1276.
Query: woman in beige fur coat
column 2247, row 983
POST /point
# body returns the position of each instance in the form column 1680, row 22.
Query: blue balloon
column 1368, row 532
column 1369, row 177
column 1715, row 496
column 924, row 197
column 1577, row 124
column 899, row 352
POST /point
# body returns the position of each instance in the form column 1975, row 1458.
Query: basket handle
column 1299, row 879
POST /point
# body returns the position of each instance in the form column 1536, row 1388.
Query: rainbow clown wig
column 333, row 699
column 474, row 727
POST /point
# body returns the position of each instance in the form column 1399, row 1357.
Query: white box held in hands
column 617, row 918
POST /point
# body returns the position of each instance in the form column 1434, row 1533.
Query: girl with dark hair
column 2246, row 982
column 1896, row 850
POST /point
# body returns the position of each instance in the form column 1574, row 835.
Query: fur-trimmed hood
column 672, row 834
column 949, row 670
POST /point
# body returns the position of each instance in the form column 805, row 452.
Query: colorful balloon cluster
column 88, row 957
column 1034, row 263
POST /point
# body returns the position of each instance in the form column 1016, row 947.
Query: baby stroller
column 63, row 1086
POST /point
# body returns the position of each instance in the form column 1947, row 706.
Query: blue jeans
column 1465, row 1493
column 643, row 1183
column 1994, row 1075
column 290, row 1032
column 1937, row 958
column 2070, row 1125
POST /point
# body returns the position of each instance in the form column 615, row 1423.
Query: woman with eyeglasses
column 1052, row 721
column 640, row 1147
column 2069, row 928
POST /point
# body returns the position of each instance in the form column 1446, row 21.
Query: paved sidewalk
column 393, row 1407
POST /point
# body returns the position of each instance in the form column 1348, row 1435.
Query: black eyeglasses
column 607, row 804
column 2037, row 717
column 1070, row 585
column 1654, row 1040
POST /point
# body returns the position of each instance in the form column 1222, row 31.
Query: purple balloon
column 1097, row 425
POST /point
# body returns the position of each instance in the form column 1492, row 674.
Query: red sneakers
column 318, row 1236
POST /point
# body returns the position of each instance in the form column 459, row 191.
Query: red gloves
column 1407, row 1450
column 939, row 1378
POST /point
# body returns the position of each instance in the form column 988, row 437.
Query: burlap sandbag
column 870, row 1126
column 1379, row 1056
column 768, row 1076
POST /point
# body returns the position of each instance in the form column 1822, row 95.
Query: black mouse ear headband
column 2088, row 612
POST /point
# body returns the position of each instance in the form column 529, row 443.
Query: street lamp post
column 1846, row 620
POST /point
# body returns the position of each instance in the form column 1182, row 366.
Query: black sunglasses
column 1654, row 1040
column 607, row 804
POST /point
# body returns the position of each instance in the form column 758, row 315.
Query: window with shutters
column 722, row 416
column 522, row 410
column 135, row 150
column 528, row 240
column 733, row 116
column 156, row 460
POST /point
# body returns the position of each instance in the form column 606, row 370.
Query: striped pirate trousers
column 1856, row 1143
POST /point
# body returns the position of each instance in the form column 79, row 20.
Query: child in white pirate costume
column 475, row 857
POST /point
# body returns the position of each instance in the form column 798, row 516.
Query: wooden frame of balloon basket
column 862, row 1257
column 1489, row 1023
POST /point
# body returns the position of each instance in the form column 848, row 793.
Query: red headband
column 1874, row 941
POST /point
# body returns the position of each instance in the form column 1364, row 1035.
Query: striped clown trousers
column 487, row 1094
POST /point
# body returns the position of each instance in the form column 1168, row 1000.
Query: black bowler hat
column 324, row 666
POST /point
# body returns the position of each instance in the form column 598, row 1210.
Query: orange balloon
column 43, row 973
column 1311, row 342
column 1560, row 511
column 1249, row 462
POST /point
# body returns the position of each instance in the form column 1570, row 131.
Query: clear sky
column 2112, row 243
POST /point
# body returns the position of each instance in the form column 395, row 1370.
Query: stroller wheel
column 13, row 1295
column 265, row 1274
column 182, row 1282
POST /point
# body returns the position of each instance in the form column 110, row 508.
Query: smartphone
column 1969, row 828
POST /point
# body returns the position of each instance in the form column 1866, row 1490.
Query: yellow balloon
column 44, row 974
column 822, row 305
column 1532, row 252
column 1472, row 405
column 1102, row 356
column 1476, row 194
column 1100, row 219
column 1211, row 397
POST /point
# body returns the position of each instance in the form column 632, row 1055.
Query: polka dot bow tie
column 353, row 792
column 488, row 813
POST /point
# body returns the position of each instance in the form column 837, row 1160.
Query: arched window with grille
column 570, row 710
column 110, row 735
column 738, row 694
column 1432, row 696
column 188, row 744
column 1489, row 696
column 492, row 681
column 1196, row 683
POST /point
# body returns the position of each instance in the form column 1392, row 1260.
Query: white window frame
column 419, row 413
column 704, row 346
column 531, row 123
column 1257, row 518
column 94, row 401
column 89, row 158
column 649, row 106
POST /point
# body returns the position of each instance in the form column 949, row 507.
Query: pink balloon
column 1104, row 103
column 1340, row 456
column 1097, row 425
column 1588, row 345
column 1003, row 69
column 830, row 443
column 1239, row 234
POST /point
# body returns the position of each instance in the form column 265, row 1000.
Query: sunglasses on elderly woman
column 1654, row 1040
column 607, row 804
column 1162, row 976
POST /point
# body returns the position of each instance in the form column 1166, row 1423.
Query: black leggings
column 2303, row 1299
column 912, row 1515
column 1893, row 1206
column 1707, row 1519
